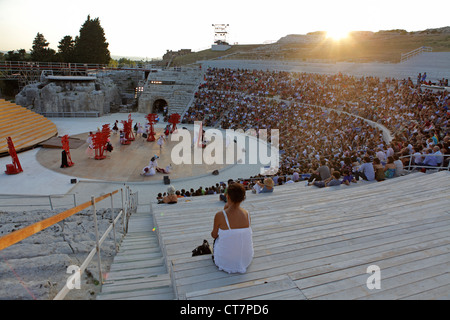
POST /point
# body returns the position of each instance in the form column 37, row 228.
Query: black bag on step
column 205, row 248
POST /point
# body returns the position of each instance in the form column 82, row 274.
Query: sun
column 337, row 34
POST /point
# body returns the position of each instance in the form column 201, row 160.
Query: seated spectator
column 296, row 176
column 398, row 166
column 171, row 198
column 418, row 159
column 322, row 173
column 438, row 155
column 267, row 187
column 347, row 172
column 366, row 170
column 233, row 244
column 280, row 181
column 430, row 159
column 330, row 182
column 223, row 197
column 381, row 155
column 389, row 168
column 379, row 169
column 445, row 150
column 211, row 190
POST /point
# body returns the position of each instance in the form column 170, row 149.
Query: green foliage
column 113, row 63
column 40, row 50
column 20, row 55
column 91, row 45
column 66, row 49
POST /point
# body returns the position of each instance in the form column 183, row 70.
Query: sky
column 148, row 28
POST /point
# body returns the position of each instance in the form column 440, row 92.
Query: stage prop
column 174, row 120
column 15, row 167
column 100, row 140
column 151, row 121
column 131, row 136
column 66, row 160
column 166, row 180
column 128, row 130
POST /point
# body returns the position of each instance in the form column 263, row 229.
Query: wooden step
column 139, row 269
column 313, row 243
column 25, row 127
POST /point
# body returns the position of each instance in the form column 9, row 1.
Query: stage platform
column 125, row 163
column 42, row 174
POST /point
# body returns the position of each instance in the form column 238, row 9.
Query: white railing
column 415, row 52
column 10, row 200
column 128, row 207
column 77, row 114
column 412, row 166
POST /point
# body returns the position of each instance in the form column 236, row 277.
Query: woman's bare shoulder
column 218, row 215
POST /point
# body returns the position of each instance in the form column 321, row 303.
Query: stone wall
column 107, row 92
column 70, row 96
column 183, row 83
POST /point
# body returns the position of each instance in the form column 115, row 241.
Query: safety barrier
column 79, row 114
column 129, row 205
column 415, row 52
column 10, row 200
column 412, row 166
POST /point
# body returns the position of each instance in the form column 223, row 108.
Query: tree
column 20, row 55
column 40, row 50
column 91, row 45
column 66, row 49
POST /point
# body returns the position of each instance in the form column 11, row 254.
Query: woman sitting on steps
column 233, row 244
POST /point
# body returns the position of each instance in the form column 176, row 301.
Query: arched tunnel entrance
column 159, row 106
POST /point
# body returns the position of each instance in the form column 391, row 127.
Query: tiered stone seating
column 25, row 127
column 313, row 243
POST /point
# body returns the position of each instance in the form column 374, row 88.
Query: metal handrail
column 408, row 55
column 64, row 114
column 129, row 206
column 414, row 166
column 21, row 196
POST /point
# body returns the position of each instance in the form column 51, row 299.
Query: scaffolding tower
column 220, row 33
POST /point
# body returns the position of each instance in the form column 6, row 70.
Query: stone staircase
column 138, row 271
column 178, row 93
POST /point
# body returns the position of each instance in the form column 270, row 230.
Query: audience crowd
column 322, row 122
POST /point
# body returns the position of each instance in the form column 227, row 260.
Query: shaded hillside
column 209, row 54
column 382, row 46
column 363, row 47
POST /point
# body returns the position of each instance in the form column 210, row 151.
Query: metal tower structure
column 220, row 33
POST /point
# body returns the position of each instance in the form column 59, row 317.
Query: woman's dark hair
column 236, row 192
